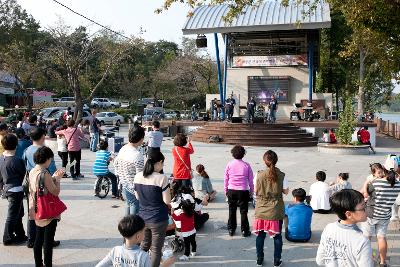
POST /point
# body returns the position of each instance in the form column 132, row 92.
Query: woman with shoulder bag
column 73, row 135
column 182, row 170
column 43, row 187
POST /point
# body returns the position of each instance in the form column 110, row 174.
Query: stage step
column 258, row 134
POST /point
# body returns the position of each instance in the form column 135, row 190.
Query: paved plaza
column 88, row 229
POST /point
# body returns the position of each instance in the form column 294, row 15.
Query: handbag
column 189, row 169
column 47, row 205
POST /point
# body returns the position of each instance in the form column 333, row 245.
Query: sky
column 125, row 16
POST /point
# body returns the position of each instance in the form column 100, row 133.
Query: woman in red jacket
column 182, row 170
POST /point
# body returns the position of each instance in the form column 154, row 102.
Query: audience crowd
column 157, row 205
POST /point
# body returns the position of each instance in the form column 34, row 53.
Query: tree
column 75, row 52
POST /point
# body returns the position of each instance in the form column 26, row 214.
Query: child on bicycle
column 100, row 169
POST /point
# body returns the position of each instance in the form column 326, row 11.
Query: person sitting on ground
column 100, row 168
column 202, row 185
column 377, row 171
column 342, row 242
column 131, row 228
column 365, row 138
column 332, row 136
column 23, row 142
column 341, row 183
column 298, row 218
column 325, row 137
column 12, row 170
column 320, row 193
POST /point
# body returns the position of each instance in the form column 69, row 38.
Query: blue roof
column 267, row 16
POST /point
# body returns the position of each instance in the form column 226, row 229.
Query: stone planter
column 340, row 149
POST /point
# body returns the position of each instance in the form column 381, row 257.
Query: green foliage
column 347, row 123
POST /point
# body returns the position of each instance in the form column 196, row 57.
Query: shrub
column 347, row 123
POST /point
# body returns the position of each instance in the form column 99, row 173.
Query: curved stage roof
column 268, row 16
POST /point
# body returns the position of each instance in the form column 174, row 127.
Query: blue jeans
column 277, row 244
column 93, row 142
column 132, row 204
column 272, row 116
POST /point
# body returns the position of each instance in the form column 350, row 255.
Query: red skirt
column 269, row 226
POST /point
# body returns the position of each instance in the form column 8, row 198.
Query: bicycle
column 103, row 185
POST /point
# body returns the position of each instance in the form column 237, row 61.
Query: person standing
column 38, row 137
column 382, row 195
column 73, row 135
column 238, row 186
column 3, row 132
column 12, row 170
column 23, row 142
column 273, row 104
column 251, row 108
column 127, row 164
column 214, row 109
column 94, row 129
column 152, row 189
column 270, row 209
column 155, row 139
column 230, row 106
column 45, row 228
column 182, row 168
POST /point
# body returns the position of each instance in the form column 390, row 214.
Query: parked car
column 104, row 103
column 172, row 115
column 49, row 111
column 109, row 118
column 150, row 114
column 125, row 104
column 67, row 100
column 56, row 115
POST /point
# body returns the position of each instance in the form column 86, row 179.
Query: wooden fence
column 388, row 128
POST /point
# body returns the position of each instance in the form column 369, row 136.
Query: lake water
column 392, row 117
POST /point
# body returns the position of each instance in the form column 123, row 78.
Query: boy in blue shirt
column 100, row 168
column 298, row 218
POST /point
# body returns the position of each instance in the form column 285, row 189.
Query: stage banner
column 269, row 61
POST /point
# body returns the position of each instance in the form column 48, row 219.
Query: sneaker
column 246, row 233
column 260, row 261
column 277, row 263
column 194, row 254
column 231, row 232
column 184, row 258
column 56, row 243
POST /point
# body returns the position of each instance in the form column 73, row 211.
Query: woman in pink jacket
column 73, row 135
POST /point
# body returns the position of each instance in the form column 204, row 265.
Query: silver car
column 109, row 118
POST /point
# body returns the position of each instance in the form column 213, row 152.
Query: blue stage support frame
column 221, row 93
column 310, row 70
column 225, row 64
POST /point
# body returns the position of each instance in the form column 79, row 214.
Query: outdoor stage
column 284, row 133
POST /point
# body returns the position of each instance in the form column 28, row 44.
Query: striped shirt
column 100, row 166
column 382, row 197
column 128, row 163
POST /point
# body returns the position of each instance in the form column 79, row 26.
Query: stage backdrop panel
column 263, row 87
